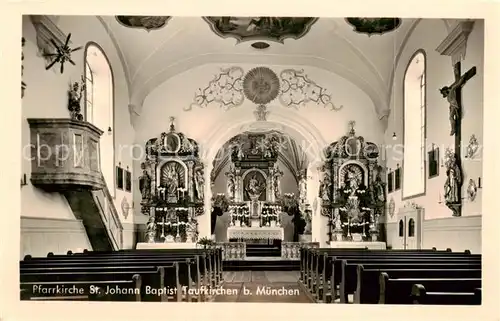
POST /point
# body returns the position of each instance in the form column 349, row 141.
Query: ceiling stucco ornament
column 371, row 26
column 261, row 28
column 261, row 85
column 144, row 22
column 297, row 90
column 225, row 89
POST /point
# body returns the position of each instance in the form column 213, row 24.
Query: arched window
column 99, row 107
column 411, row 228
column 401, row 228
column 414, row 111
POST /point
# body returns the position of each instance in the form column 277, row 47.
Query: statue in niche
column 352, row 178
column 172, row 182
column 199, row 181
column 325, row 186
column 151, row 229
column 254, row 188
column 145, row 184
column 453, row 181
column 231, row 182
column 277, row 175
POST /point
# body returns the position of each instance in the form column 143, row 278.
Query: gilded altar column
column 190, row 179
column 270, row 186
column 238, row 193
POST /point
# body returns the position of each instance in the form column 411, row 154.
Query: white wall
column 46, row 97
column 428, row 34
column 212, row 126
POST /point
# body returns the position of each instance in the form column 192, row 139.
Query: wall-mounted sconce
column 24, row 181
column 394, row 137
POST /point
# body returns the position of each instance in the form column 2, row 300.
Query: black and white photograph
column 252, row 159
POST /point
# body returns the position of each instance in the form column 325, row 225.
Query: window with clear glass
column 414, row 127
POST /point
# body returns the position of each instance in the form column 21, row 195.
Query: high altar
column 172, row 188
column 253, row 188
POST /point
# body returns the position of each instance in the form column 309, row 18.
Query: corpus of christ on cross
column 453, row 93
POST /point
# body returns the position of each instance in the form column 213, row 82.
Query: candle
column 479, row 182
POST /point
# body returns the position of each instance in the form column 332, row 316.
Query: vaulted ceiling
column 150, row 57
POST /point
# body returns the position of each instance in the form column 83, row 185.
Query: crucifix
column 172, row 125
column 453, row 94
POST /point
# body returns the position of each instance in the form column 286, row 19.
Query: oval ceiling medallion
column 261, row 28
column 370, row 26
column 261, row 85
column 260, row 45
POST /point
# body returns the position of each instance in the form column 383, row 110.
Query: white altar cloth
column 163, row 246
column 256, row 233
column 358, row 245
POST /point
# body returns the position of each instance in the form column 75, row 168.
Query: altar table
column 358, row 245
column 165, row 246
column 255, row 233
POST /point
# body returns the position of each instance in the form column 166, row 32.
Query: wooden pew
column 421, row 296
column 349, row 277
column 82, row 290
column 367, row 289
column 334, row 272
column 152, row 287
column 186, row 270
column 399, row 291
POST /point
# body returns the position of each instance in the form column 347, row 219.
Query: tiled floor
column 262, row 286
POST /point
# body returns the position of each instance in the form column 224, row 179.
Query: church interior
column 321, row 160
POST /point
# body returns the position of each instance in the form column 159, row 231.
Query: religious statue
column 75, row 94
column 453, row 181
column 191, row 230
column 379, row 188
column 451, row 92
column 199, row 181
column 172, row 182
column 277, row 174
column 145, row 185
column 326, row 186
column 303, row 188
column 151, row 230
column 253, row 188
column 352, row 179
column 231, row 182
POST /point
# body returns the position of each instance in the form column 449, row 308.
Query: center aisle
column 262, row 286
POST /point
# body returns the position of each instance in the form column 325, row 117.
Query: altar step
column 263, row 250
column 261, row 264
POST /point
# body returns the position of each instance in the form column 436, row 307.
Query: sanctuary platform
column 166, row 246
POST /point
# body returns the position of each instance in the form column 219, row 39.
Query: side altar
column 172, row 188
column 352, row 192
column 254, row 188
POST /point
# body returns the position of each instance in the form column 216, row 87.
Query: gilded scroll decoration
column 297, row 90
column 225, row 89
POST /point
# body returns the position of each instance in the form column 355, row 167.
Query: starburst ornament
column 62, row 55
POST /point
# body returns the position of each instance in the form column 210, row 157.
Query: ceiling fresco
column 371, row 26
column 261, row 28
column 144, row 22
